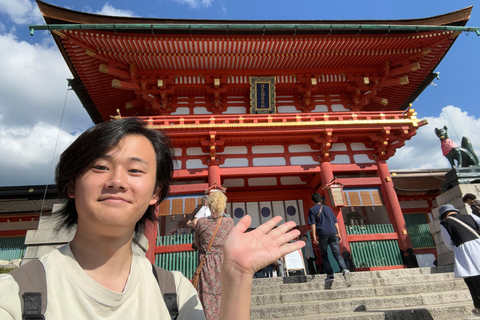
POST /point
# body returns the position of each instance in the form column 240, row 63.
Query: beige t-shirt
column 72, row 294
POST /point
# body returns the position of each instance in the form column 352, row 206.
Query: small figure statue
column 464, row 155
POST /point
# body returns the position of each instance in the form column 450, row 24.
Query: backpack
column 32, row 284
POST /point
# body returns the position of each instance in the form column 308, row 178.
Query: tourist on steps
column 461, row 233
column 326, row 233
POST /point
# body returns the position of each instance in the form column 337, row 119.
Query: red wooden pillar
column 151, row 235
column 214, row 175
column 393, row 206
column 327, row 176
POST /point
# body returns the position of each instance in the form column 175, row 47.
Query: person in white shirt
column 203, row 212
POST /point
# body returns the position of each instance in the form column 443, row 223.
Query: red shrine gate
column 271, row 110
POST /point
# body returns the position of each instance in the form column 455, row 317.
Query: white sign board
column 294, row 261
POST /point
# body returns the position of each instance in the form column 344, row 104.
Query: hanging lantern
column 335, row 192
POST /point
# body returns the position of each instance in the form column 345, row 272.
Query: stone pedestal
column 461, row 175
column 452, row 196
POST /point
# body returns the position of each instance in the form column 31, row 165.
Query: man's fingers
column 290, row 247
column 243, row 224
column 283, row 238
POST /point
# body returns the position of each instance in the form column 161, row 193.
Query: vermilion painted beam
column 267, row 195
column 174, row 248
column 13, row 233
column 372, row 237
column 363, row 181
column 280, row 170
column 188, row 188
column 19, row 218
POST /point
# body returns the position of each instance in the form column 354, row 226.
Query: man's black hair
column 316, row 198
column 94, row 144
column 468, row 196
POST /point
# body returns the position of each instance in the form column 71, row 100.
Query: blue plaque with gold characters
column 262, row 95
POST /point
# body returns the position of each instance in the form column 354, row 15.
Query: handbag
column 196, row 275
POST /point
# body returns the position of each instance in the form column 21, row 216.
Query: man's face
column 469, row 202
column 116, row 189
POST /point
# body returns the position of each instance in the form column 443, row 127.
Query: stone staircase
column 419, row 293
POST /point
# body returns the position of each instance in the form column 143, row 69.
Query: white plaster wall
column 234, row 150
column 195, row 152
column 235, row 110
column 362, row 158
column 320, row 108
column 341, row 158
column 177, row 152
column 268, row 149
column 235, row 162
column 270, row 181
column 298, row 161
column 287, row 109
column 264, row 162
column 201, row 110
column 286, row 181
column 195, row 164
column 177, row 164
column 339, row 108
column 252, row 211
column 299, row 148
column 233, row 183
column 181, row 110
column 339, row 147
column 356, row 146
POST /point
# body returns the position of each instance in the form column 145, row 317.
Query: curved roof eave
column 58, row 15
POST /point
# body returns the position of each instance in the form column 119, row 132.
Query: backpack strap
column 32, row 283
column 166, row 281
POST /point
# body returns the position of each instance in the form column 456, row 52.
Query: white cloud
column 21, row 11
column 28, row 153
column 33, row 84
column 33, row 91
column 423, row 150
column 108, row 10
column 196, row 3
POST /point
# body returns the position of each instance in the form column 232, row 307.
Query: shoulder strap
column 166, row 281
column 319, row 213
column 32, row 283
column 214, row 234
column 465, row 225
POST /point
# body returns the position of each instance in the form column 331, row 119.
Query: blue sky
column 39, row 117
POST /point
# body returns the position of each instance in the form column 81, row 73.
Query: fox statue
column 465, row 155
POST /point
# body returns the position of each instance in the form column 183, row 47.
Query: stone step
column 451, row 311
column 266, row 286
column 310, row 294
column 384, row 274
column 354, row 305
